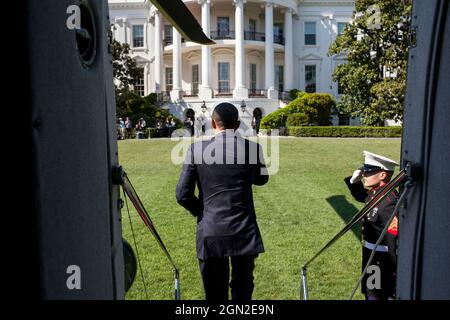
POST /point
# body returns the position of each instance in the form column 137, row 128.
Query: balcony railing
column 164, row 96
column 279, row 39
column 169, row 40
column 257, row 93
column 222, row 35
column 255, row 36
column 223, row 92
column 190, row 94
column 230, row 35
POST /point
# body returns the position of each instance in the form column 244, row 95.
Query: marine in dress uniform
column 227, row 230
column 377, row 171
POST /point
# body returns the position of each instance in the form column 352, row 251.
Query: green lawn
column 298, row 210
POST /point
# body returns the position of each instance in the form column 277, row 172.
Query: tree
column 125, row 70
column 126, row 74
column 128, row 103
column 375, row 44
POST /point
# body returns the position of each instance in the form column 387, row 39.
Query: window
column 253, row 77
column 224, row 77
column 169, row 79
column 223, row 26
column 310, row 33
column 168, row 38
column 310, row 78
column 195, row 78
column 340, row 27
column 344, row 120
column 279, row 78
column 252, row 29
column 139, row 88
column 278, row 33
column 138, row 36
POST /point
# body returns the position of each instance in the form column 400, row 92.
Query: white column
column 240, row 92
column 125, row 30
column 176, row 93
column 288, row 51
column 146, row 82
column 270, row 62
column 158, row 52
column 205, row 91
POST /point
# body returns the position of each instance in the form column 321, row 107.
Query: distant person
column 226, row 220
column 172, row 126
column 159, row 127
column 128, row 127
column 203, row 125
column 198, row 125
column 191, row 125
column 256, row 121
column 140, row 128
column 142, row 124
column 376, row 172
column 122, row 128
column 257, row 124
column 167, row 128
column 254, row 124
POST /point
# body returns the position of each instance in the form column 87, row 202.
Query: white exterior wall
column 124, row 14
column 326, row 19
column 326, row 14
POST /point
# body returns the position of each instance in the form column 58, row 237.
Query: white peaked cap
column 379, row 161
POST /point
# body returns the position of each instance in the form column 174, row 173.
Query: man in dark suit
column 224, row 170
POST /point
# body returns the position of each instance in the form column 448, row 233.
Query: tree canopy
column 375, row 45
column 125, row 70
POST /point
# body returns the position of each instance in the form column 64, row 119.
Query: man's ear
column 213, row 123
column 383, row 175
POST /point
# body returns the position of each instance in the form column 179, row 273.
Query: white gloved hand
column 356, row 177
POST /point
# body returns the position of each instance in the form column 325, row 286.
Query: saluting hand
column 356, row 177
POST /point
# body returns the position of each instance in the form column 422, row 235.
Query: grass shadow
column 346, row 211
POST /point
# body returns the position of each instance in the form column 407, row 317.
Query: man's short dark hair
column 226, row 115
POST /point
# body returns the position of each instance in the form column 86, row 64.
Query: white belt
column 380, row 248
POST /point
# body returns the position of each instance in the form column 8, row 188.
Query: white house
column 263, row 49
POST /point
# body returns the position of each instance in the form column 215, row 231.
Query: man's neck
column 217, row 131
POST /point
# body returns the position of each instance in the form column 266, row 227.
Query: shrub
column 297, row 120
column 346, row 132
column 274, row 120
column 295, row 93
column 300, row 94
column 317, row 106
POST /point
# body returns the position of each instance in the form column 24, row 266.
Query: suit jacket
column 224, row 170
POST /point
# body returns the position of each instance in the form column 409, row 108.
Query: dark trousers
column 216, row 276
column 387, row 274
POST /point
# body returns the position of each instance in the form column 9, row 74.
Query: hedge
column 346, row 132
